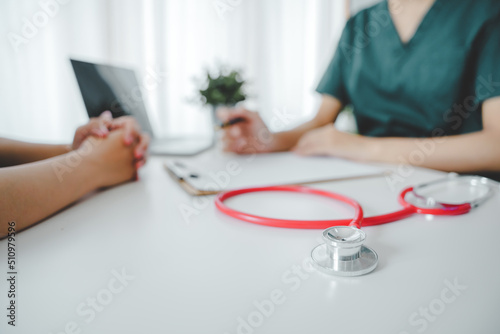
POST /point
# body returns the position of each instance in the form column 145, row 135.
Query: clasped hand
column 100, row 127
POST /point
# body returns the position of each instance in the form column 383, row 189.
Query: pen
column 231, row 122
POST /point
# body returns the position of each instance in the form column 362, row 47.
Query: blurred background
column 281, row 48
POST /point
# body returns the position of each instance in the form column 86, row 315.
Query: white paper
column 220, row 171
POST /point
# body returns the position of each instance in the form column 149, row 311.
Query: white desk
column 201, row 276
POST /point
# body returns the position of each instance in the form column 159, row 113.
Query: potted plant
column 224, row 89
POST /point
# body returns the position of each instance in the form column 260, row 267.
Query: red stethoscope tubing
column 358, row 220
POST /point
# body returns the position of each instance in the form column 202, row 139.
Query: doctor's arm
column 467, row 153
column 253, row 136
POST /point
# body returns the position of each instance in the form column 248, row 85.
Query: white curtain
column 282, row 47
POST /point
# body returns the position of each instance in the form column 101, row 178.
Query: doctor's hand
column 328, row 141
column 247, row 137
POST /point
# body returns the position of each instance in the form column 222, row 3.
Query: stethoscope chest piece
column 343, row 253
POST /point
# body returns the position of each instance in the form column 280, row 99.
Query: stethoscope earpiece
column 343, row 253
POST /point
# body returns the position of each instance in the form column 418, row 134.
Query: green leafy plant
column 224, row 88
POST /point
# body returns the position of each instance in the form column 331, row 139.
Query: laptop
column 105, row 87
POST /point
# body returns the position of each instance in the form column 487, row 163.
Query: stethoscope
column 343, row 252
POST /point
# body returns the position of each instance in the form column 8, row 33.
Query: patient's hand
column 96, row 127
column 100, row 127
column 109, row 159
column 132, row 135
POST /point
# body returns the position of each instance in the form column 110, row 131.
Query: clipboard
column 182, row 174
column 214, row 172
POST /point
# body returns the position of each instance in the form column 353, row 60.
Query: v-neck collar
column 425, row 21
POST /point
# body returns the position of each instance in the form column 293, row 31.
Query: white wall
column 282, row 45
column 357, row 5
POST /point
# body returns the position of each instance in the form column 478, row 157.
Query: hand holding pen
column 244, row 132
column 229, row 123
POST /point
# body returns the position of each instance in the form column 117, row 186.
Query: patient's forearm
column 34, row 191
column 14, row 152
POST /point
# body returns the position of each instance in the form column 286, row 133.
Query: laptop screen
column 105, row 87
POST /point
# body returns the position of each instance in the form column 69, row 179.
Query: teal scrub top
column 433, row 85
